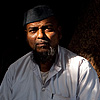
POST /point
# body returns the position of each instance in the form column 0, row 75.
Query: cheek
column 51, row 34
column 54, row 39
column 31, row 40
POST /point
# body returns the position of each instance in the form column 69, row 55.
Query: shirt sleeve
column 6, row 86
column 89, row 86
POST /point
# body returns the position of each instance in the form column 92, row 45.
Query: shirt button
column 43, row 89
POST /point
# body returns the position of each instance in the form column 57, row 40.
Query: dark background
column 13, row 38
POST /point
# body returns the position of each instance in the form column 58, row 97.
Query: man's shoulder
column 23, row 59
column 75, row 60
column 19, row 66
column 70, row 54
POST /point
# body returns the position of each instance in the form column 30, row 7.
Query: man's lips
column 42, row 43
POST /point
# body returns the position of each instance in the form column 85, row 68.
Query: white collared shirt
column 70, row 78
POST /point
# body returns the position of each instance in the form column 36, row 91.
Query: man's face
column 43, row 35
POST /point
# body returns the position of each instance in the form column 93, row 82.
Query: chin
column 42, row 50
column 44, row 55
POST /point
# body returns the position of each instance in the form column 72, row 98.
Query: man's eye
column 49, row 29
column 33, row 31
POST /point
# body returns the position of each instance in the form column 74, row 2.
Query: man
column 49, row 72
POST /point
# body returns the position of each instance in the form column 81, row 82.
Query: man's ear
column 25, row 31
column 60, row 32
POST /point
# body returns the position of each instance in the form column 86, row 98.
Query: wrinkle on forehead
column 48, row 21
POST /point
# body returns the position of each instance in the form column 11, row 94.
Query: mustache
column 40, row 41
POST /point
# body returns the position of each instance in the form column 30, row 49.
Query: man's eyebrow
column 48, row 24
column 32, row 27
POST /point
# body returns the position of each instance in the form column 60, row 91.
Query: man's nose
column 40, row 34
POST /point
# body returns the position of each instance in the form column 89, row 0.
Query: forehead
column 48, row 21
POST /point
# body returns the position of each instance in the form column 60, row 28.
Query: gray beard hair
column 44, row 57
column 51, row 52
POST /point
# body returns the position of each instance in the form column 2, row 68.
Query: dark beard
column 43, row 57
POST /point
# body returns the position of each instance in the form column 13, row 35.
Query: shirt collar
column 57, row 65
